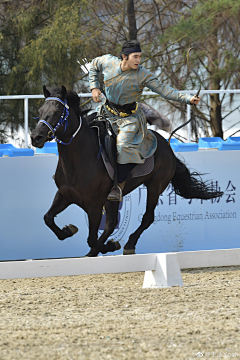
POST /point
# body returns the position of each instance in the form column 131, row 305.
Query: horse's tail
column 191, row 186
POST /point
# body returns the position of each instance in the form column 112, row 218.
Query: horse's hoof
column 92, row 253
column 129, row 252
column 72, row 228
column 115, row 243
column 67, row 231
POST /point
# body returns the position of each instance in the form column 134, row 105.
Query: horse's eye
column 58, row 106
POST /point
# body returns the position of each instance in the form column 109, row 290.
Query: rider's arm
column 95, row 69
column 166, row 91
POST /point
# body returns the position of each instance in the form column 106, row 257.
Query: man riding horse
column 124, row 80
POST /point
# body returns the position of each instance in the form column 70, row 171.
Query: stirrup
column 115, row 194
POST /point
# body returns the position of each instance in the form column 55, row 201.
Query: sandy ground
column 111, row 317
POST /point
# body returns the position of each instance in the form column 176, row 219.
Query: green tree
column 213, row 28
column 40, row 44
column 41, row 41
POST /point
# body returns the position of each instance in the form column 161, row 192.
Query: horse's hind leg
column 59, row 204
column 111, row 208
column 153, row 193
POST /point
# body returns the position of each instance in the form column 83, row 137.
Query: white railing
column 26, row 97
column 162, row 270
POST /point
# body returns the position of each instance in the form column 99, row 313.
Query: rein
column 63, row 120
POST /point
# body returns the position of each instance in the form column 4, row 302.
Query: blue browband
column 63, row 120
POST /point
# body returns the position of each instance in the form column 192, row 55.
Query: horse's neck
column 83, row 147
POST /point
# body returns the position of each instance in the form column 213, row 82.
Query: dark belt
column 127, row 108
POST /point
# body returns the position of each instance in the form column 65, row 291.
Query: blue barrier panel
column 177, row 145
column 210, row 142
column 10, row 150
column 49, row 148
column 218, row 143
column 174, row 144
column 233, row 139
column 1, row 153
column 234, row 143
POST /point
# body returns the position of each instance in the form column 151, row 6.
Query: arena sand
column 112, row 317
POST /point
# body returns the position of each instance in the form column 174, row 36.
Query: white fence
column 161, row 270
column 25, row 98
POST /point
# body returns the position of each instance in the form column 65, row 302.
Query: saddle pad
column 138, row 170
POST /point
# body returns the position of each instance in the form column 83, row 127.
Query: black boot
column 116, row 192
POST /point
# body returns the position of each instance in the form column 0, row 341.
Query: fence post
column 189, row 124
column 26, row 121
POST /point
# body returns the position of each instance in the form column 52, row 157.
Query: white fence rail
column 161, row 270
column 25, row 98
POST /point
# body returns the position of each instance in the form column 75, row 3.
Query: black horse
column 82, row 179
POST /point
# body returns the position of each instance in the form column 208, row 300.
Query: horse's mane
column 73, row 101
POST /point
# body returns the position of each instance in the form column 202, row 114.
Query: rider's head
column 131, row 53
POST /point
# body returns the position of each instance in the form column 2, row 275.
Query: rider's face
column 133, row 60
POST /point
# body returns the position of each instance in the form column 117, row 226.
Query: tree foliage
column 41, row 41
column 213, row 29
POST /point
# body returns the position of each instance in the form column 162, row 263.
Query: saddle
column 107, row 141
column 108, row 149
column 106, row 136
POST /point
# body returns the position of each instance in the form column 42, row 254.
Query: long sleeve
column 166, row 91
column 95, row 68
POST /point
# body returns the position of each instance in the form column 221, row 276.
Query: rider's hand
column 95, row 95
column 195, row 99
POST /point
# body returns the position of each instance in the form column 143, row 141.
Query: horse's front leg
column 59, row 204
column 111, row 208
column 94, row 218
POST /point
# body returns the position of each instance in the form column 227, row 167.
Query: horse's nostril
column 38, row 138
column 37, row 141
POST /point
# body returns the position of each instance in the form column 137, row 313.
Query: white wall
column 27, row 190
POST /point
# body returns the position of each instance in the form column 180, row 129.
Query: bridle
column 62, row 121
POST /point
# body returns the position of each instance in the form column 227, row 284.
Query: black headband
column 131, row 50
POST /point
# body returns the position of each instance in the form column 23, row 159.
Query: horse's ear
column 64, row 92
column 46, row 93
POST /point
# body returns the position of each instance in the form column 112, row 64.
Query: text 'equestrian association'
column 192, row 216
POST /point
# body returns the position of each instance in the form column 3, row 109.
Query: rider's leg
column 126, row 143
column 123, row 171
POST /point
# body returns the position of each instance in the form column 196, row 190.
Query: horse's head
column 49, row 113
